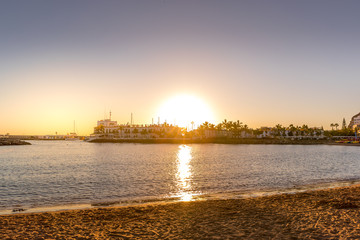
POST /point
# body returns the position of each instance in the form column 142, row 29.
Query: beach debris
column 18, row 210
column 105, row 204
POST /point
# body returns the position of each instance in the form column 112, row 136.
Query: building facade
column 109, row 129
column 355, row 122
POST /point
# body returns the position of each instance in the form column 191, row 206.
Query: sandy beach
column 329, row 214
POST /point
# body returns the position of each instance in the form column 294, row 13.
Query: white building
column 355, row 121
column 106, row 126
column 109, row 129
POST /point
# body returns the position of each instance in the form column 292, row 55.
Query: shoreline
column 327, row 213
column 277, row 141
column 240, row 141
column 229, row 195
column 138, row 201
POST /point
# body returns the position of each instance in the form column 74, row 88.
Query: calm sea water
column 59, row 172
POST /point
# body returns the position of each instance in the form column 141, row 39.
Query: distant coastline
column 275, row 141
column 219, row 141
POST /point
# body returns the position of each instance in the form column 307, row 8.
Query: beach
column 331, row 213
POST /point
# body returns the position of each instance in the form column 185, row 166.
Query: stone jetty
column 6, row 141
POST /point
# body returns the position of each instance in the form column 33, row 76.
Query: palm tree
column 239, row 124
column 332, row 126
column 336, row 125
column 201, row 129
column 344, row 124
column 205, row 125
column 246, row 128
column 311, row 131
column 225, row 124
column 305, row 129
column 278, row 129
column 292, row 129
column 235, row 128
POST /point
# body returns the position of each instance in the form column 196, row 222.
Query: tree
column 336, row 125
column 201, row 129
column 99, row 129
column 344, row 124
column 291, row 129
column 225, row 124
column 278, row 130
column 239, row 124
column 257, row 132
column 305, row 129
column 332, row 126
column 246, row 128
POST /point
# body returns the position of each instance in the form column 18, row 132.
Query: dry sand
column 324, row 214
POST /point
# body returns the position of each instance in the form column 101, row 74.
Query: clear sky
column 262, row 62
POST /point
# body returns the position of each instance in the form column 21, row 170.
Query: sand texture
column 325, row 214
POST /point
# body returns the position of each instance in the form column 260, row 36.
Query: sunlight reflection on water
column 53, row 173
column 184, row 173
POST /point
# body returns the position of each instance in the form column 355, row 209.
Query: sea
column 55, row 175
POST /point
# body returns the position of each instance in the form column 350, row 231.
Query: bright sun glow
column 185, row 111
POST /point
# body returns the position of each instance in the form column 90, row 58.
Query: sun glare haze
column 185, row 111
column 63, row 61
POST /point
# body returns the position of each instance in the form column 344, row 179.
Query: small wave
column 198, row 197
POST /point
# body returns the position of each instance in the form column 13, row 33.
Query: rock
column 4, row 142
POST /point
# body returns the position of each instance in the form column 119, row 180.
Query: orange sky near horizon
column 260, row 62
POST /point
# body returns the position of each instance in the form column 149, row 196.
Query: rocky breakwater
column 6, row 142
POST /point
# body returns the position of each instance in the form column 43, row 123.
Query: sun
column 185, row 111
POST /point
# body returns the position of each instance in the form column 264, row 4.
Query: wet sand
column 323, row 214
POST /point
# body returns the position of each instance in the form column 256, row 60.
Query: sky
column 260, row 62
